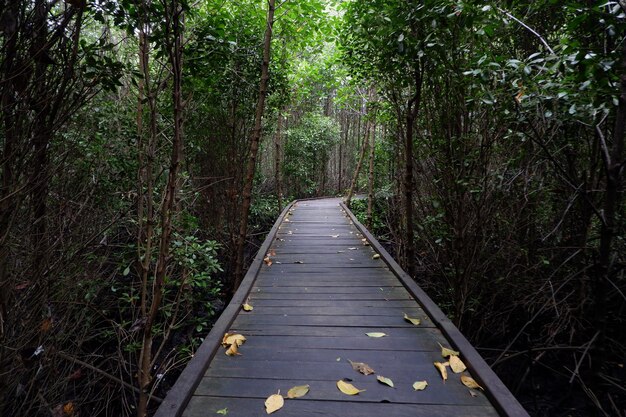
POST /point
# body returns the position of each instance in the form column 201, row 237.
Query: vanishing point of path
column 328, row 286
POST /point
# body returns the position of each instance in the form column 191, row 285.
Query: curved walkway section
column 324, row 296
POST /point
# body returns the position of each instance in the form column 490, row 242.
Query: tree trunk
column 277, row 164
column 254, row 148
column 174, row 24
column 355, row 179
column 411, row 115
column 614, row 162
column 370, row 194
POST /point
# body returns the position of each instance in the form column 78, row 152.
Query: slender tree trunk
column 370, row 194
column 615, row 162
column 254, row 148
column 277, row 162
column 355, row 179
column 174, row 29
column 411, row 115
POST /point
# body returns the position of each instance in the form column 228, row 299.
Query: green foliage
column 307, row 148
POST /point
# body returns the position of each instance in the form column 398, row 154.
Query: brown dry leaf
column 376, row 334
column 347, row 388
column 68, row 409
column 274, row 402
column 267, row 261
column 365, row 242
column 361, row 367
column 445, row 352
column 247, row 307
column 420, row 385
column 442, row 370
column 46, row 325
column 376, row 256
column 298, row 391
column 384, row 380
column 469, row 382
column 412, row 320
column 457, row 365
column 272, row 252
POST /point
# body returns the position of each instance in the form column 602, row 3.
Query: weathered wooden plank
column 339, row 297
column 435, row 393
column 355, row 289
column 201, row 406
column 400, row 373
column 327, row 321
column 415, row 312
column 331, row 303
column 420, row 335
column 323, row 342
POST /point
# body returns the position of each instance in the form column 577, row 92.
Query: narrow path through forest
column 322, row 298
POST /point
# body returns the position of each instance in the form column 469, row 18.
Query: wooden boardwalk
column 324, row 290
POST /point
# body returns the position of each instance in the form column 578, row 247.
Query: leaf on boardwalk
column 384, row 380
column 420, row 385
column 274, row 402
column 247, row 307
column 457, row 365
column 412, row 320
column 365, row 242
column 233, row 339
column 445, row 352
column 352, row 248
column 298, row 262
column 232, row 350
column 298, row 391
column 376, row 334
column 442, row 370
column 223, row 411
column 361, row 367
column 376, row 256
column 472, row 393
column 334, row 236
column 268, row 261
column 347, row 388
column 469, row 382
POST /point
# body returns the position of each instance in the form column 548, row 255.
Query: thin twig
column 105, row 374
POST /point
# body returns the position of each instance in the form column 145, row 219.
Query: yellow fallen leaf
column 457, row 365
column 232, row 350
column 247, row 307
column 420, row 385
column 274, row 402
column 385, row 380
column 376, row 256
column 298, row 391
column 445, row 352
column 233, row 339
column 223, row 411
column 361, row 367
column 411, row 320
column 347, row 388
column 469, row 382
column 376, row 334
column 442, row 370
